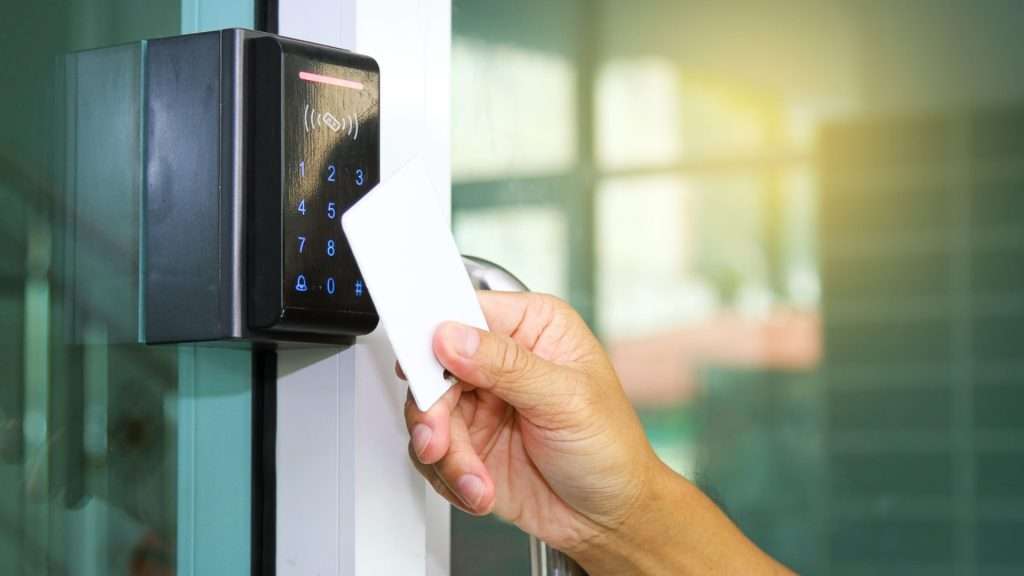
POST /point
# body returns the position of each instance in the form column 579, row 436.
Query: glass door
column 115, row 457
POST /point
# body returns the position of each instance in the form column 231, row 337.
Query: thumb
column 499, row 364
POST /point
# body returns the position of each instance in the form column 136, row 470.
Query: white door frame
column 348, row 500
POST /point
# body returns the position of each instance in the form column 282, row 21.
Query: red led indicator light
column 321, row 79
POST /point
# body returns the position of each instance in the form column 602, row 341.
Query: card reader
column 249, row 147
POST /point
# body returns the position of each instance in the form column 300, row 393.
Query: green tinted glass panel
column 115, row 458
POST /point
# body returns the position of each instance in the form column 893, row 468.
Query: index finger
column 431, row 441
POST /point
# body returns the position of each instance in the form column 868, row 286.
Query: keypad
column 331, row 158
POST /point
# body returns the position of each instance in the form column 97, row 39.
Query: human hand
column 538, row 429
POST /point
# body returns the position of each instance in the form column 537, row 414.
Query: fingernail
column 471, row 490
column 466, row 340
column 421, row 434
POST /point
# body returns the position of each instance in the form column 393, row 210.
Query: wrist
column 674, row 529
column 649, row 526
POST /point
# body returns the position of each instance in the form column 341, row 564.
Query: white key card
column 413, row 271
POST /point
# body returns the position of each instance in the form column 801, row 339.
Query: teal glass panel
column 214, row 460
column 115, row 458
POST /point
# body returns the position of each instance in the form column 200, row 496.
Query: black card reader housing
column 254, row 145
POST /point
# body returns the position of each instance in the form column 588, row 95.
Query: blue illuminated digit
column 302, row 207
column 330, row 285
column 360, row 177
column 302, row 243
column 331, row 172
column 330, row 210
column 302, row 168
column 330, row 247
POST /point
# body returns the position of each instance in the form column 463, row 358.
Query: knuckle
column 513, row 361
column 438, row 485
column 538, row 301
column 556, row 312
column 549, row 302
column 565, row 312
column 557, row 303
column 545, row 306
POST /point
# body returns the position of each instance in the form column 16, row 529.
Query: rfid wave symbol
column 348, row 124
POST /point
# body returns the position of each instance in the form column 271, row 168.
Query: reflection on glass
column 646, row 250
column 725, row 117
column 637, row 113
column 517, row 118
column 87, row 439
column 798, row 237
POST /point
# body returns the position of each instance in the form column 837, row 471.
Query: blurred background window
column 795, row 226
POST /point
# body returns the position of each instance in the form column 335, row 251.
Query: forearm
column 676, row 530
